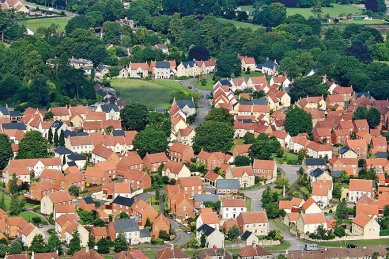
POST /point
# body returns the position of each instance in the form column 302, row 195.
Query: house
column 138, row 70
column 317, row 150
column 266, row 169
column 241, row 150
column 247, row 63
column 61, row 209
column 161, row 70
column 254, row 252
column 101, row 153
column 180, row 204
column 208, row 217
column 213, row 237
column 340, row 136
column 49, row 201
column 322, row 135
column 322, row 192
column 378, row 144
column 244, row 174
column 380, row 165
column 122, row 204
column 310, row 164
column 175, row 170
column 211, row 160
column 191, row 185
column 340, row 252
column 359, row 146
column 66, row 225
column 171, row 252
column 188, row 69
column 358, row 188
column 231, row 208
column 346, row 152
column 365, row 226
column 86, row 254
column 39, row 189
column 308, row 223
column 211, row 178
column 131, row 253
column 269, row 68
column 129, row 229
column 18, row 6
column 143, row 211
column 153, row 161
column 181, row 153
column 227, row 186
column 163, row 47
column 188, row 107
column 290, row 206
column 131, row 161
column 349, row 165
column 98, row 233
column 214, row 253
column 310, row 207
column 161, row 223
column 361, row 125
column 255, row 222
column 17, row 227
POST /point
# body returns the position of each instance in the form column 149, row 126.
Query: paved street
column 181, row 236
column 291, row 171
column 203, row 103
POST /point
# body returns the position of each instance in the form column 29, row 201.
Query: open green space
column 7, row 199
column 281, row 247
column 34, row 24
column 334, row 11
column 353, row 242
column 288, row 158
column 208, row 86
column 238, row 24
column 248, row 204
column 27, row 215
column 152, row 93
column 247, row 8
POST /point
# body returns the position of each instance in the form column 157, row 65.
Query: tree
column 103, row 246
column 259, row 94
column 5, row 151
column 55, row 141
column 376, row 6
column 203, row 241
column 263, row 147
column 150, row 140
column 123, row 215
column 360, row 113
column 16, row 247
column 160, row 121
column 298, row 121
column 228, row 64
column 221, row 115
column 38, row 244
column 337, row 191
column 339, row 231
column 270, row 15
column 373, row 117
column 61, row 140
column 12, row 185
column 17, row 205
column 120, row 244
column 77, row 22
column 54, row 243
column 367, row 174
column 307, row 86
column 198, row 53
column 48, row 116
column 361, row 51
column 2, row 202
column 242, row 16
column 233, row 233
column 249, row 138
column 33, row 145
column 74, row 190
column 75, row 243
column 50, row 136
column 3, row 250
column 241, row 161
column 341, row 212
column 213, row 136
column 281, row 182
column 317, row 8
column 164, row 235
column 134, row 117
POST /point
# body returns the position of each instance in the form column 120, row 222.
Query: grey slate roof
column 18, row 125
column 245, row 235
column 382, row 155
column 62, row 150
column 227, row 184
column 317, row 172
column 125, row 225
column 108, row 107
column 344, row 150
column 88, row 200
column 162, row 64
column 69, row 133
column 206, row 197
column 57, row 124
column 116, row 133
column 182, row 103
column 4, row 110
column 144, row 233
column 336, row 174
column 206, row 230
column 76, row 157
column 123, row 201
column 225, row 82
column 15, row 113
column 269, row 64
column 189, row 63
column 314, row 161
column 260, row 101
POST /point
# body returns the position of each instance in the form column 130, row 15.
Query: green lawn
column 27, row 215
column 289, row 158
column 281, row 247
column 209, row 83
column 34, row 24
column 248, row 204
column 240, row 24
column 7, row 199
column 152, row 93
column 354, row 242
column 334, row 11
column 247, row 8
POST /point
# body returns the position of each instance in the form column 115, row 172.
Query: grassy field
column 34, row 24
column 27, row 215
column 240, row 24
column 153, row 93
column 335, row 10
column 208, row 85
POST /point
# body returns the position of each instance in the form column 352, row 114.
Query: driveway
column 256, row 196
column 291, row 172
column 203, row 105
column 181, row 236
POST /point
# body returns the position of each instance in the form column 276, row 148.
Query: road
column 47, row 8
column 203, row 105
column 291, row 172
column 181, row 236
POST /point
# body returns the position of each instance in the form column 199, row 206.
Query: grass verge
column 34, row 24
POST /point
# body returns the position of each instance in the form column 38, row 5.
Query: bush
column 339, row 231
column 164, row 235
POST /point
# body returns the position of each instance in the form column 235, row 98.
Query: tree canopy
column 33, row 145
column 5, row 150
column 298, row 121
column 150, row 140
column 212, row 136
column 134, row 117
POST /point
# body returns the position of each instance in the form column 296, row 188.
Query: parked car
column 189, row 87
column 310, row 247
column 351, row 246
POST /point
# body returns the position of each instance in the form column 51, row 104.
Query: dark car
column 189, row 87
column 351, row 246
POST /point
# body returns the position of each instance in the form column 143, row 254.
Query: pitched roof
column 252, row 217
column 120, row 200
column 233, row 202
column 232, row 184
column 314, row 218
column 171, row 253
column 361, row 185
column 253, row 251
column 361, row 220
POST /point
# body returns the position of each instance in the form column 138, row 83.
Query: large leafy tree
column 5, row 150
column 120, row 244
column 373, row 117
column 221, row 115
column 270, row 15
column 54, row 243
column 16, row 247
column 134, row 116
column 360, row 113
column 307, row 86
column 213, row 136
column 298, row 121
column 77, row 22
column 33, row 145
column 228, row 64
column 160, row 121
column 38, row 244
column 150, row 140
column 75, row 243
column 263, row 147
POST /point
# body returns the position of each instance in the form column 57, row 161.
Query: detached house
column 267, row 169
column 181, row 153
column 244, row 174
column 255, row 222
column 211, row 160
column 153, row 161
column 175, row 170
column 138, row 70
column 358, row 188
column 359, row 146
column 365, row 226
column 49, row 201
column 247, row 63
column 231, row 208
